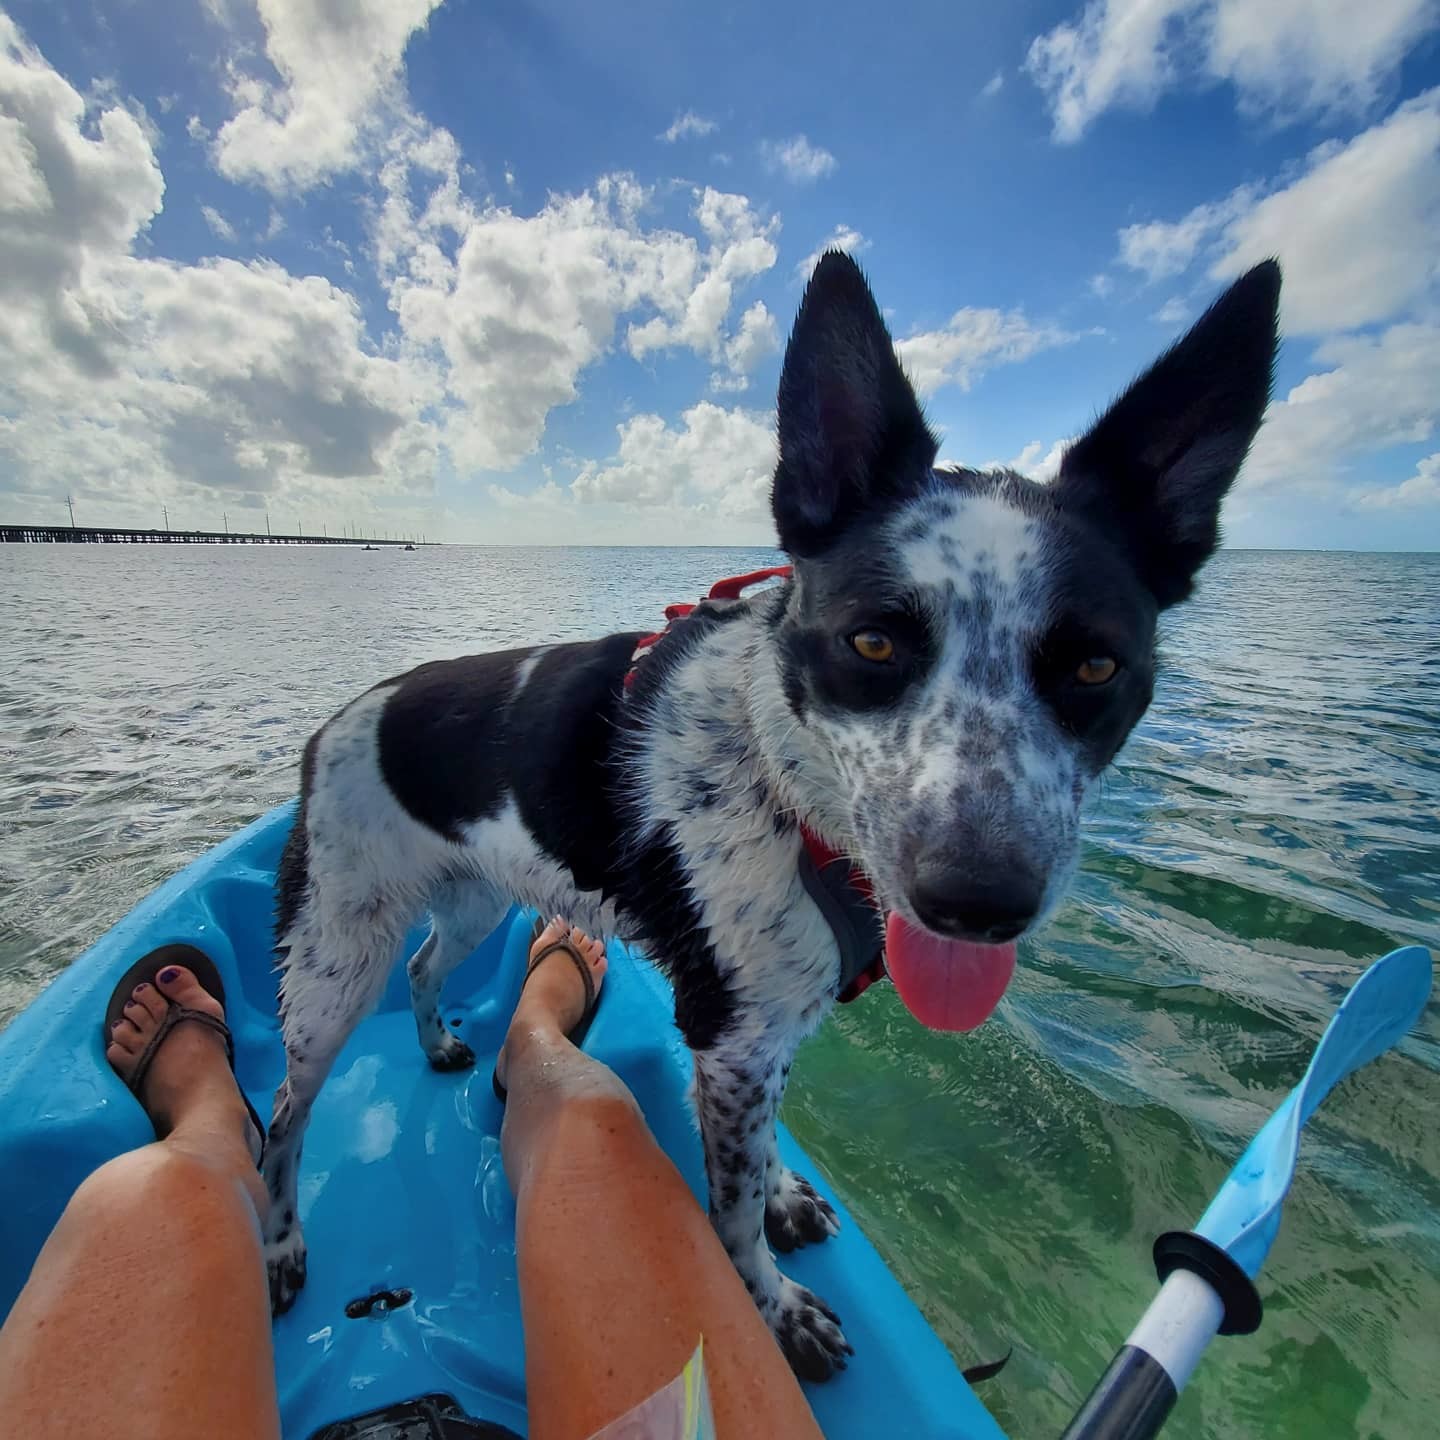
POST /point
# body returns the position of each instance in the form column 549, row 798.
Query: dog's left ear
column 852, row 434
column 1157, row 464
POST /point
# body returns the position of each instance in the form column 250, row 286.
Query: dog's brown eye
column 1096, row 670
column 873, row 645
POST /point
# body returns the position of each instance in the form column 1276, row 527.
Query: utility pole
column 71, row 504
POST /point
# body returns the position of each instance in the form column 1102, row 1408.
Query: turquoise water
column 1273, row 825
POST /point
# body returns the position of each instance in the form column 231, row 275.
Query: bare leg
column 620, row 1271
column 146, row 1315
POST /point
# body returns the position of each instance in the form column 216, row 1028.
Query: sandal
column 577, row 1032
column 145, row 970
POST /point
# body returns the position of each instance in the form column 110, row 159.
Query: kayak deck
column 401, row 1186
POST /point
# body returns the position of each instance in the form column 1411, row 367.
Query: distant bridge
column 124, row 535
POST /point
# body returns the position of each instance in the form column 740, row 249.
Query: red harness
column 821, row 854
column 730, row 589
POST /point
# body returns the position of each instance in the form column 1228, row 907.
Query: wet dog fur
column 954, row 770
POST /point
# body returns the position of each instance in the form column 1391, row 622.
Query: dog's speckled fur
column 954, row 771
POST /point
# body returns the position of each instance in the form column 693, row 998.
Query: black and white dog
column 934, row 693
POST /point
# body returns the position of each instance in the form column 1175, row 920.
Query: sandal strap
column 577, row 959
column 178, row 1015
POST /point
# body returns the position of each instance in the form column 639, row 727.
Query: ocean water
column 1273, row 825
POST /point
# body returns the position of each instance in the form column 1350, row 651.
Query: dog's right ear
column 852, row 434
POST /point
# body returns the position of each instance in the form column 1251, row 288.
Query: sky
column 521, row 271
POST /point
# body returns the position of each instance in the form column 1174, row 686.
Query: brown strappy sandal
column 145, row 970
column 577, row 1032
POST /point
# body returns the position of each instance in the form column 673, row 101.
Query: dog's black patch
column 559, row 753
column 857, row 587
column 1102, row 608
column 442, row 738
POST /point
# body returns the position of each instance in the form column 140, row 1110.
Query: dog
column 956, row 658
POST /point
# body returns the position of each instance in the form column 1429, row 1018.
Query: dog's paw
column 450, row 1052
column 797, row 1214
column 808, row 1331
column 285, row 1265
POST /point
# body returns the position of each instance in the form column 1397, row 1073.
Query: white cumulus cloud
column 797, row 159
column 756, row 337
column 1287, row 58
column 687, row 126
column 716, row 461
column 1374, row 392
column 1355, row 231
column 339, row 68
column 514, row 307
column 219, row 225
column 1039, row 462
column 1422, row 488
column 971, row 342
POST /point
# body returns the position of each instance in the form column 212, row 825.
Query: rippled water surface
column 1273, row 824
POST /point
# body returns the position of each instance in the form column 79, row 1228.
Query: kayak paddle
column 1207, row 1276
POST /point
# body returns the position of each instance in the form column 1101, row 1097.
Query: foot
column 189, row 1088
column 797, row 1214
column 553, row 1000
column 447, row 1051
column 808, row 1331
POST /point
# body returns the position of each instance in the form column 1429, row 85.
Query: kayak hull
column 401, row 1188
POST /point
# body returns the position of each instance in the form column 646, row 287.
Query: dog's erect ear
column 851, row 431
column 1157, row 464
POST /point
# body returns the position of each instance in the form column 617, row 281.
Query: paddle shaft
column 1135, row 1395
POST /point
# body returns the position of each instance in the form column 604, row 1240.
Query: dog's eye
column 873, row 645
column 1097, row 670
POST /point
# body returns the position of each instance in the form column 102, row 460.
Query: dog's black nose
column 994, row 907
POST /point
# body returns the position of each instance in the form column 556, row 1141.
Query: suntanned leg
column 146, row 1316
column 620, row 1271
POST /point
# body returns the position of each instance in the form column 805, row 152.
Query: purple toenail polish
column 166, row 976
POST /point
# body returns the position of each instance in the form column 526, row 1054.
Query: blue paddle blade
column 1382, row 1005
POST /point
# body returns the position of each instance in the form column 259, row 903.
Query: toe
column 125, row 1037
column 139, row 1017
column 553, row 931
column 177, row 983
column 147, row 995
column 593, row 950
column 126, row 1034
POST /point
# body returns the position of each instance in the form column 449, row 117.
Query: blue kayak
column 401, row 1189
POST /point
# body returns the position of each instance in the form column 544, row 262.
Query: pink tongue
column 946, row 984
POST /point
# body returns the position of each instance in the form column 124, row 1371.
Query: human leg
column 621, row 1273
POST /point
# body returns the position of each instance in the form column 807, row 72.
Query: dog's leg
column 738, row 1085
column 334, row 974
column 796, row 1213
column 463, row 913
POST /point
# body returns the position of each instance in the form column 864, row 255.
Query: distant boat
column 369, row 547
column 409, row 547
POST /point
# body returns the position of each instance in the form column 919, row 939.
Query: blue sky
column 522, row 271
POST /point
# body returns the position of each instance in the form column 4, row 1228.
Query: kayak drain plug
column 380, row 1303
